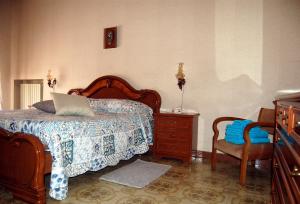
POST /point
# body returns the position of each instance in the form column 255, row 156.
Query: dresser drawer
column 279, row 192
column 286, row 155
column 174, row 123
column 283, row 180
column 286, row 160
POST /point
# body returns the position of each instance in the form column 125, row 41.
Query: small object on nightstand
column 174, row 134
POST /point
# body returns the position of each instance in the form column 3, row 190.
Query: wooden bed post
column 23, row 157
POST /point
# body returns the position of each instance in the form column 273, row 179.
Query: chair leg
column 213, row 159
column 243, row 171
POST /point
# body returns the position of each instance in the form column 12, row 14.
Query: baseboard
column 226, row 158
column 220, row 157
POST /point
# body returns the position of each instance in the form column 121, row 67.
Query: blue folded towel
column 253, row 140
column 234, row 133
column 259, row 140
column 241, row 123
column 255, row 132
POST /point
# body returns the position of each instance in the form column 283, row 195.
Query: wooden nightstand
column 174, row 133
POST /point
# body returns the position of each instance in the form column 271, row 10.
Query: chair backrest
column 267, row 115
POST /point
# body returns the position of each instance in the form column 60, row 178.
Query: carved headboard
column 115, row 87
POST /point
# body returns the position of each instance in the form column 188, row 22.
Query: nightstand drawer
column 171, row 122
column 175, row 135
column 165, row 146
column 182, row 141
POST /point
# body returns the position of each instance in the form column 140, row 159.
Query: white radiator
column 29, row 94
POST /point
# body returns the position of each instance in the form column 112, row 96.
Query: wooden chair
column 245, row 152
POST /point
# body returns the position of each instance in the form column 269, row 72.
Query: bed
column 24, row 158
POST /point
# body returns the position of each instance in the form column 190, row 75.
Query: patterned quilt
column 80, row 144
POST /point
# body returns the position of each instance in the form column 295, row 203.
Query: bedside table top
column 169, row 113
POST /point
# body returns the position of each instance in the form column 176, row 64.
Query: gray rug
column 137, row 174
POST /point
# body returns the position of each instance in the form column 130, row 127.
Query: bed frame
column 23, row 161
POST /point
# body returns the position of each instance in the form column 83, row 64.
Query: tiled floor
column 182, row 184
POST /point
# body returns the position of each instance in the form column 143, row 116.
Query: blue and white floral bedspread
column 80, row 144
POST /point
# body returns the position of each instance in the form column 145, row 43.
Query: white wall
column 237, row 53
column 5, row 38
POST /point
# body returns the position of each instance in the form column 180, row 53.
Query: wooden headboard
column 115, row 87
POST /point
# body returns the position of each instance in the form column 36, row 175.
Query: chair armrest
column 252, row 125
column 219, row 120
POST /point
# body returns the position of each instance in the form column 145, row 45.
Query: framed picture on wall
column 110, row 37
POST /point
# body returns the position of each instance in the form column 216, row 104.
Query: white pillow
column 71, row 105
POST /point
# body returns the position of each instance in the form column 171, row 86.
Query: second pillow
column 71, row 105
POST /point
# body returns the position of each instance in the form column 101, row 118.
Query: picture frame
column 110, row 37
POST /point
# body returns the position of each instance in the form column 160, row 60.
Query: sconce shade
column 51, row 80
column 180, row 76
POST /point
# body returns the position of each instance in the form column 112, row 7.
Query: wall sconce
column 180, row 76
column 180, row 82
column 51, row 80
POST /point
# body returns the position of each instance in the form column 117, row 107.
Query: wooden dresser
column 286, row 160
column 174, row 134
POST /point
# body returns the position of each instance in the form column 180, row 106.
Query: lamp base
column 178, row 110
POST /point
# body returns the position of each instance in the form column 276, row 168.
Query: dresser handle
column 295, row 171
column 276, row 166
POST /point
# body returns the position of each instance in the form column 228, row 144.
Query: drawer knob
column 276, row 165
column 295, row 171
